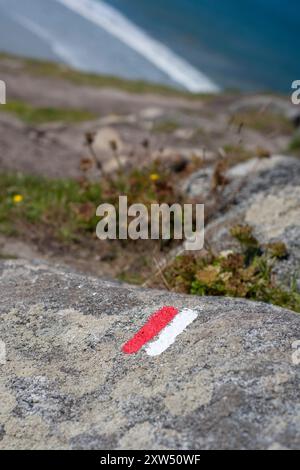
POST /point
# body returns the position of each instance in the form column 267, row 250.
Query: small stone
column 104, row 139
column 151, row 113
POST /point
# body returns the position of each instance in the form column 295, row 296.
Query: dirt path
column 43, row 91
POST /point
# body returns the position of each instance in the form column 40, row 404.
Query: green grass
column 65, row 209
column 55, row 70
column 265, row 122
column 61, row 209
column 166, row 127
column 246, row 273
column 237, row 154
column 58, row 216
column 32, row 115
column 294, row 146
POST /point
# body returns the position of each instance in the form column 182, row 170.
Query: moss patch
column 237, row 154
column 61, row 209
column 294, row 146
column 61, row 71
column 65, row 209
column 246, row 273
column 33, row 115
column 264, row 121
column 166, row 127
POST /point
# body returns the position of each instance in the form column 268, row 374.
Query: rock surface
column 228, row 381
column 263, row 193
column 185, row 126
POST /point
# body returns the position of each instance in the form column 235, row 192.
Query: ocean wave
column 155, row 52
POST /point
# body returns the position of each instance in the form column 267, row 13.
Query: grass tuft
column 61, row 71
column 294, row 145
column 35, row 116
column 265, row 122
column 245, row 274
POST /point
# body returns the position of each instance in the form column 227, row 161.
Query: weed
column 65, row 209
column 50, row 69
column 32, row 115
column 294, row 145
column 246, row 273
column 166, row 127
column 265, row 122
column 59, row 207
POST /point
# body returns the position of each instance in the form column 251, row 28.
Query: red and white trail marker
column 160, row 331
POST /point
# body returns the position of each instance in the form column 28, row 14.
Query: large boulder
column 230, row 380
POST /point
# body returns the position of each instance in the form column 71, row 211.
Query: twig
column 160, row 272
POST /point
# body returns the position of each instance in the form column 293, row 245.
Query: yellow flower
column 18, row 198
column 154, row 177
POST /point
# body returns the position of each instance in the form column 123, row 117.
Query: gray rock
column 252, row 175
column 199, row 183
column 104, row 138
column 151, row 113
column 229, row 381
column 271, row 103
column 2, row 431
column 262, row 193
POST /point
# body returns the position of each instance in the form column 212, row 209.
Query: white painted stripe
column 170, row 332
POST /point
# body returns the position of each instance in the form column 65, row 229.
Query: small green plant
column 166, row 127
column 237, row 154
column 66, row 209
column 294, row 145
column 264, row 121
column 32, row 115
column 246, row 273
column 44, row 68
column 61, row 209
column 59, row 216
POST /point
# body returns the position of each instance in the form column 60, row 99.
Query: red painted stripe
column 154, row 325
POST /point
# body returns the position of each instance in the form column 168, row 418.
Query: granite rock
column 263, row 193
column 228, row 382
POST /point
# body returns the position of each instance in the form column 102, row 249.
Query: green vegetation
column 60, row 71
column 32, row 115
column 65, row 209
column 166, row 127
column 246, row 273
column 61, row 209
column 237, row 154
column 295, row 145
column 266, row 122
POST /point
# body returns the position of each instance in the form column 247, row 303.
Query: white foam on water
column 115, row 23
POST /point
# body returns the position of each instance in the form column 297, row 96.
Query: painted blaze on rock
column 166, row 324
column 230, row 381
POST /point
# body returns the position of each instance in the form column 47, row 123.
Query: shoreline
column 116, row 24
column 130, row 53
